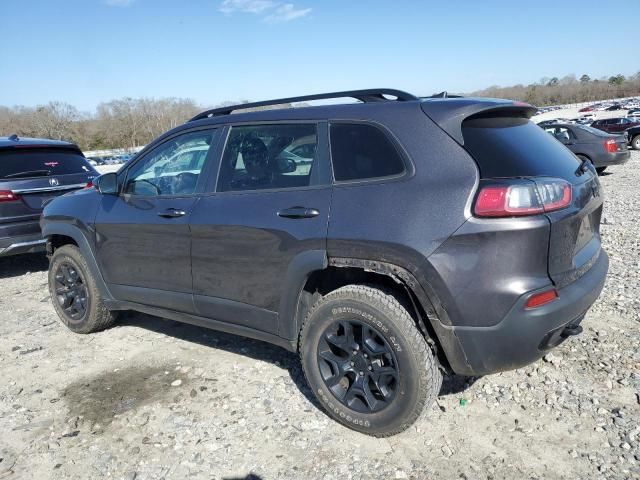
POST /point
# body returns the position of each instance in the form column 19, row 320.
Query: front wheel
column 366, row 362
column 635, row 142
column 74, row 293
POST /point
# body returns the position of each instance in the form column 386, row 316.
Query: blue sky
column 87, row 51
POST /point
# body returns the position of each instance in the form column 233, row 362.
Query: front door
column 143, row 241
column 271, row 204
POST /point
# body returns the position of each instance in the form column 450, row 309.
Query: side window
column 259, row 157
column 172, row 168
column 361, row 151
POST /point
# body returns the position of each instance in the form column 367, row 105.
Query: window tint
column 514, row 147
column 360, row 151
column 261, row 157
column 37, row 162
column 172, row 168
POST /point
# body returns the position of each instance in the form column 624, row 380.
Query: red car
column 586, row 109
column 615, row 125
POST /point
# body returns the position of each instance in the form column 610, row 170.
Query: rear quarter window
column 39, row 162
column 516, row 147
column 361, row 152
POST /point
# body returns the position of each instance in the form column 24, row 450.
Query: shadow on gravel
column 248, row 347
column 454, row 384
column 17, row 265
column 451, row 384
column 251, row 476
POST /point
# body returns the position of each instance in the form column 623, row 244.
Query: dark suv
column 384, row 241
column 32, row 172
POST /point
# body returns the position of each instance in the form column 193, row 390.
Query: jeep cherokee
column 385, row 241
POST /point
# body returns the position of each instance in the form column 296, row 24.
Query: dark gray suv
column 385, row 241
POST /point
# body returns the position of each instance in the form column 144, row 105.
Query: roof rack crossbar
column 366, row 96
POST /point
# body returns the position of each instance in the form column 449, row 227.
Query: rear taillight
column 538, row 299
column 520, row 198
column 610, row 146
column 8, row 196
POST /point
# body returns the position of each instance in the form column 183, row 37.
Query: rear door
column 270, row 207
column 143, row 241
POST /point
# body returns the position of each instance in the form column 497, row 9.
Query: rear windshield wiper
column 29, row 173
column 584, row 166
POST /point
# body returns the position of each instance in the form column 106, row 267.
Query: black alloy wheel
column 358, row 366
column 71, row 292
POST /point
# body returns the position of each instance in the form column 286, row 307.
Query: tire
column 72, row 287
column 635, row 142
column 413, row 378
column 600, row 169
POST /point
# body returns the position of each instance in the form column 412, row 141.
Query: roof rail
column 366, row 96
column 444, row 94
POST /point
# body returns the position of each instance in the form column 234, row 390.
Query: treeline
column 568, row 89
column 128, row 122
column 123, row 123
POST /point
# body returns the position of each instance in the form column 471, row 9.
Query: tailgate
column 33, row 193
column 574, row 242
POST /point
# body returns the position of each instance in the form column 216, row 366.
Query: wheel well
column 322, row 282
column 56, row 241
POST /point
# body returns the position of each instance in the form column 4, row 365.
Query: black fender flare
column 72, row 231
column 309, row 262
column 300, row 269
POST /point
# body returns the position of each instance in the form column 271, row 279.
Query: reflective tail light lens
column 521, row 198
column 539, row 299
column 8, row 196
column 610, row 146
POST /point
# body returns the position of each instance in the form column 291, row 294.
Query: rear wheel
column 366, row 362
column 635, row 142
column 74, row 293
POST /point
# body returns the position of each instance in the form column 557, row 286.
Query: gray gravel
column 155, row 399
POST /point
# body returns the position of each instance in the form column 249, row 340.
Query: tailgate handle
column 172, row 213
column 298, row 212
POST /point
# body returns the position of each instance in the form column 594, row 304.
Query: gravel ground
column 153, row 399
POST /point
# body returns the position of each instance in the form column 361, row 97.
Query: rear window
column 19, row 163
column 516, row 147
column 361, row 151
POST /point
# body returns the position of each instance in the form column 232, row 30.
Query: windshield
column 42, row 162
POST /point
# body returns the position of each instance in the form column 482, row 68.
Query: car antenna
column 14, row 137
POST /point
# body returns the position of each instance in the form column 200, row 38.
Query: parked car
column 601, row 148
column 614, row 125
column 32, row 172
column 633, row 112
column 462, row 238
column 615, row 106
column 588, row 108
column 633, row 136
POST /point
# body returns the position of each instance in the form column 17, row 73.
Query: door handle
column 298, row 212
column 172, row 213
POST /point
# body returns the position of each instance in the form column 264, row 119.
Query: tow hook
column 571, row 330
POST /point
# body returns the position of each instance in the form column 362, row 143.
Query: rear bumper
column 607, row 159
column 524, row 336
column 24, row 237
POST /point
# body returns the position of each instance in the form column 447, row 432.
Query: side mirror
column 107, row 184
